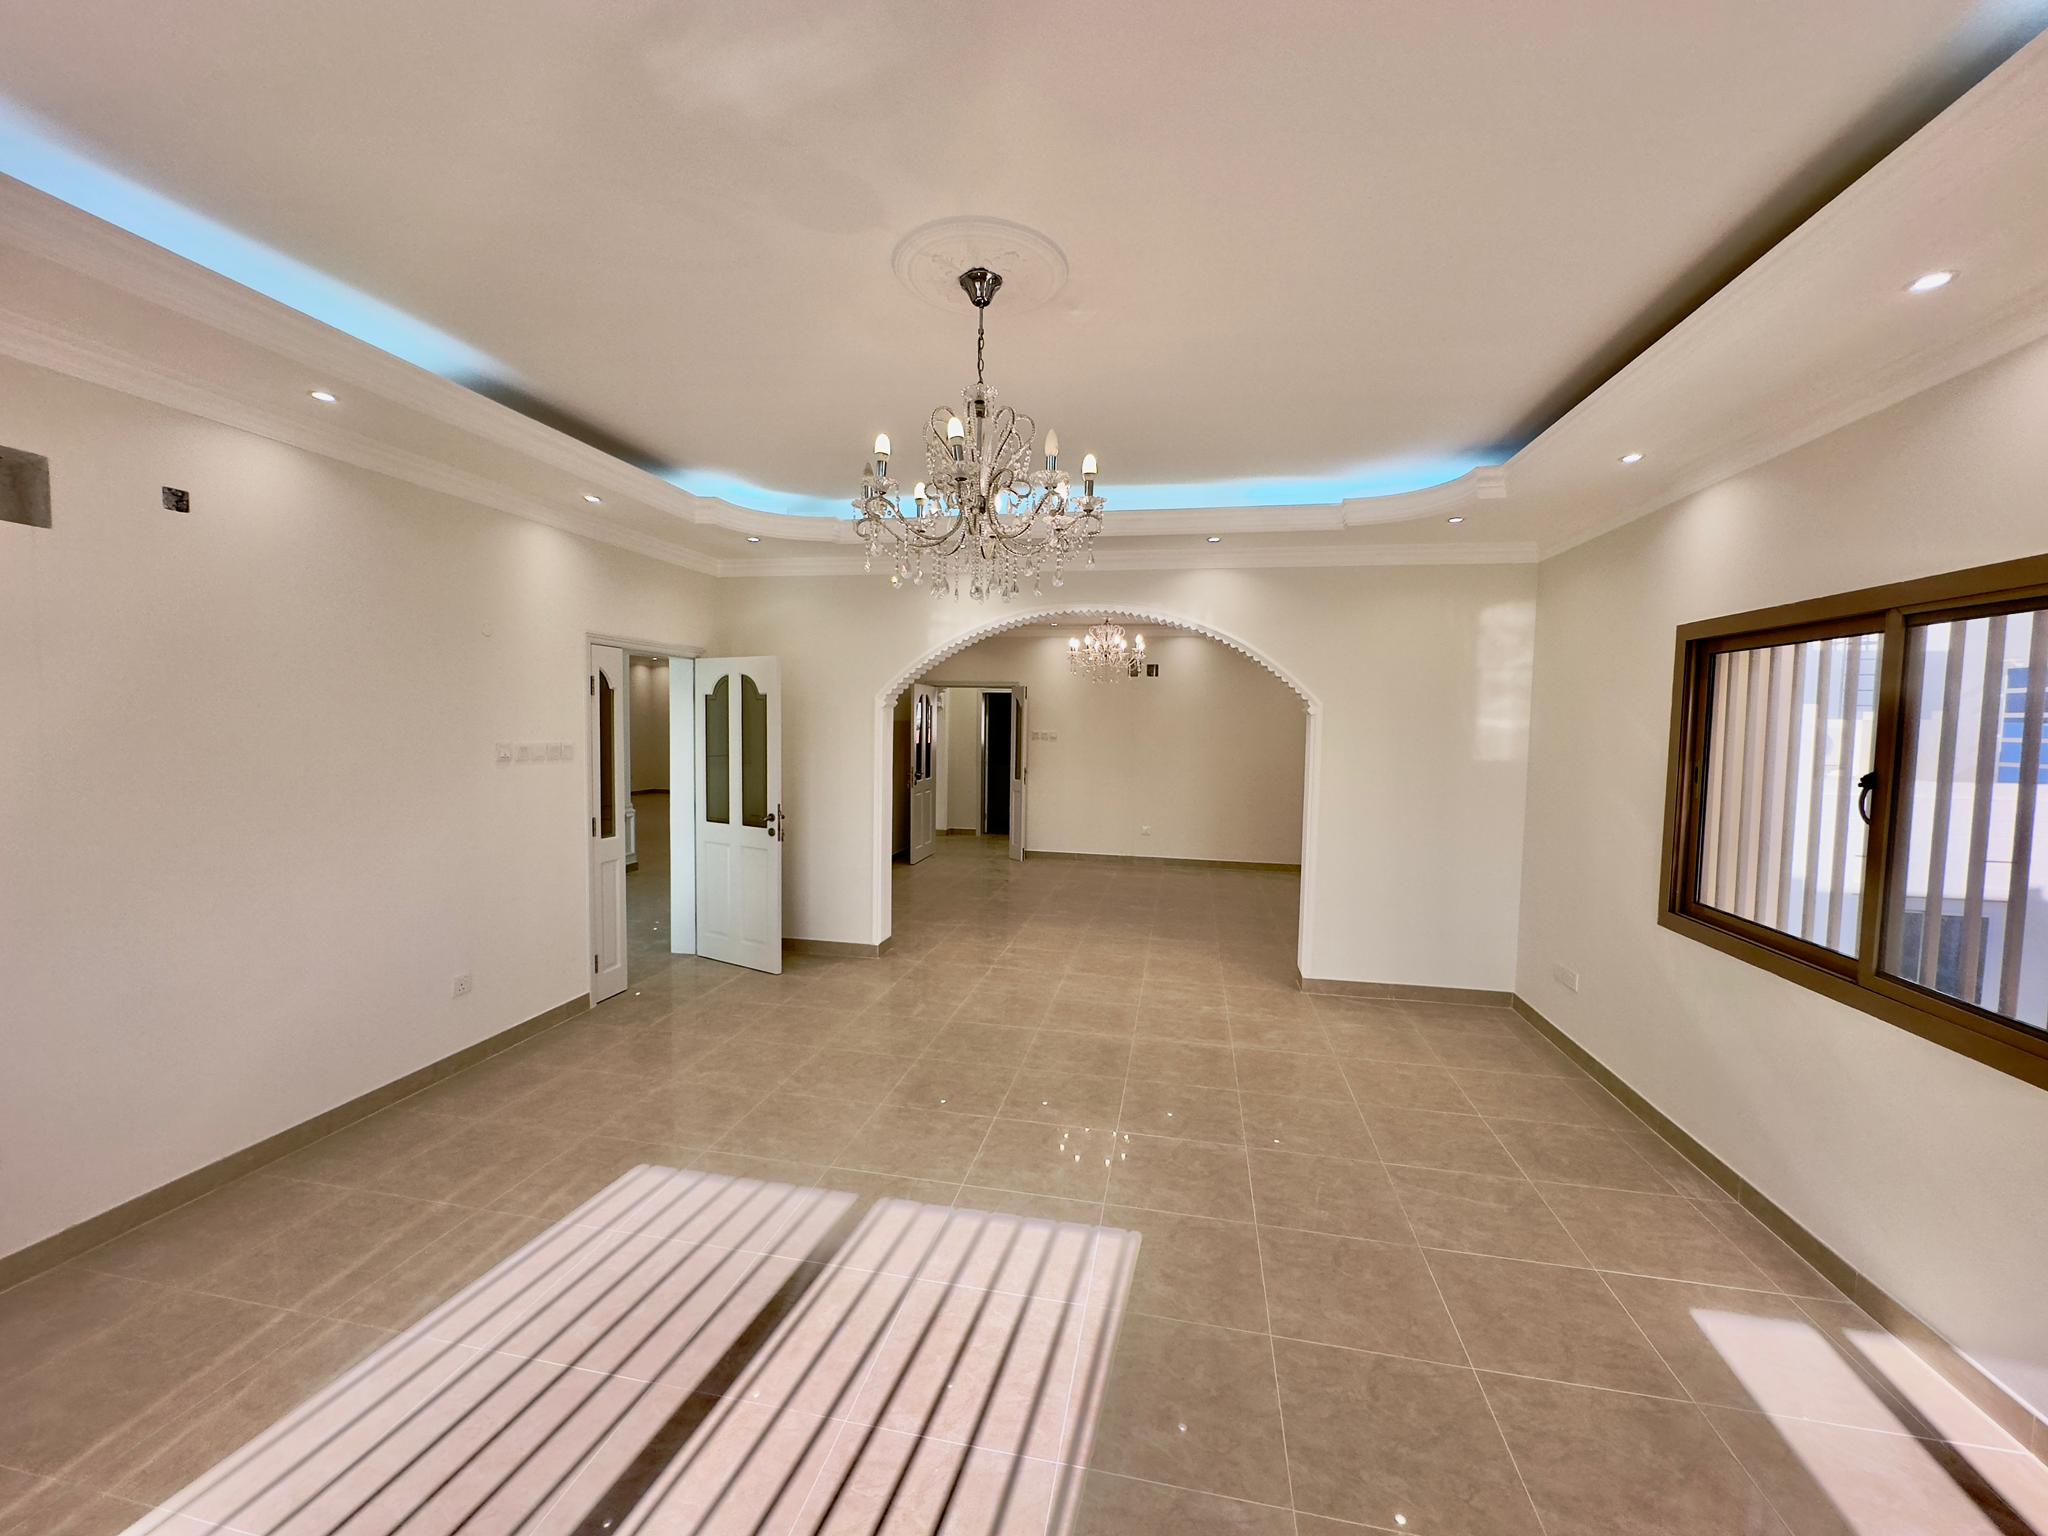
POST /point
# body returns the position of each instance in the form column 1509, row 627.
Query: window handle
column 1865, row 787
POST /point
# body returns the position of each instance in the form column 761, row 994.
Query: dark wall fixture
column 24, row 488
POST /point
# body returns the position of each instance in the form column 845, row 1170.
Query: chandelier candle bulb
column 1087, row 474
column 1052, row 450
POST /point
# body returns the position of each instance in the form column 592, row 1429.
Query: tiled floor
column 1067, row 1215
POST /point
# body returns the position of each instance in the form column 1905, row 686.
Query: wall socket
column 1565, row 977
column 462, row 986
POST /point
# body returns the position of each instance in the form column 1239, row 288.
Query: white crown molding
column 77, row 356
column 1270, row 557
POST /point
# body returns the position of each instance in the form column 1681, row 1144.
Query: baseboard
column 838, row 949
column 2010, row 1412
column 1403, row 992
column 1159, row 861
column 56, row 1249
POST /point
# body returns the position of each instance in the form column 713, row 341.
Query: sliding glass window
column 1858, row 801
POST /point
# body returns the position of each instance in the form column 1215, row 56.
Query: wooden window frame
column 1857, row 981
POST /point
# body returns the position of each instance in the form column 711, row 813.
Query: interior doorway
column 1203, row 758
column 639, row 746
column 996, row 746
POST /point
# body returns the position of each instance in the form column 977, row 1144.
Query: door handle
column 1865, row 786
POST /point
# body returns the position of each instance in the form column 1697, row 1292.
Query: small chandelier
column 983, row 519
column 1103, row 654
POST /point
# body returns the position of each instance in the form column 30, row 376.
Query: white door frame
column 683, row 842
column 607, row 684
column 882, row 921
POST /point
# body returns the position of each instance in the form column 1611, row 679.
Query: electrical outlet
column 1565, row 977
column 462, row 985
column 503, row 753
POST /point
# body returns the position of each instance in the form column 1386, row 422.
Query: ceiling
column 1312, row 250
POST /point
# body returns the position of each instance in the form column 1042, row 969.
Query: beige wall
column 1421, row 674
column 647, row 695
column 1921, row 1167
column 1207, row 756
column 252, row 826
column 961, row 721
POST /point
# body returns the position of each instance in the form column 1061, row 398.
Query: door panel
column 924, row 781
column 739, row 816
column 1020, row 768
column 608, row 799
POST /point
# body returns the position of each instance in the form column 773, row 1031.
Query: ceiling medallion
column 982, row 520
column 1104, row 654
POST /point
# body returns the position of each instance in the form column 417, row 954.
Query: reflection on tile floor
column 821, row 1252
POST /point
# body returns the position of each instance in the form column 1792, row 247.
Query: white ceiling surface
column 1300, row 238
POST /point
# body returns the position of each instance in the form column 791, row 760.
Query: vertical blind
column 1790, row 733
column 1968, row 901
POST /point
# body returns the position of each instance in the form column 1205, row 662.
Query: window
column 1858, row 801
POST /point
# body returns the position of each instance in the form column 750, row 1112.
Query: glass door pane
column 607, row 757
column 753, row 753
column 718, row 752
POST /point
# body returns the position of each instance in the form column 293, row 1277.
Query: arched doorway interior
column 883, row 740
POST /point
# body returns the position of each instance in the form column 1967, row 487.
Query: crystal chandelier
column 1103, row 654
column 983, row 519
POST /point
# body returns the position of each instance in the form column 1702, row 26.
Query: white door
column 924, row 771
column 608, row 806
column 1020, row 767
column 739, row 811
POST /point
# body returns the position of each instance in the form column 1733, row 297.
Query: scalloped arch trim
column 1008, row 622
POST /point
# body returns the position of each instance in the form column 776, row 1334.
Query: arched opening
column 888, row 816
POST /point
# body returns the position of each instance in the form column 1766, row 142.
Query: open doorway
column 641, row 745
column 649, row 862
column 1179, row 784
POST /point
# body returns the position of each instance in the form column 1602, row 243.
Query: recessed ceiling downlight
column 325, row 397
column 595, row 501
column 1215, row 538
column 1454, row 521
column 1927, row 282
column 1631, row 458
column 753, row 538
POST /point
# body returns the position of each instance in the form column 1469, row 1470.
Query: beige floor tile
column 1058, row 1050
column 1577, row 1154
column 1292, row 1073
column 1659, row 1235
column 1192, row 1406
column 1528, row 1096
column 1375, row 1039
column 1193, row 1178
column 1825, row 1479
column 1491, row 1051
column 1070, row 1162
column 41, row 1506
column 1479, row 1213
column 1162, row 1020
column 1179, row 1109
column 1345, row 1196
column 1615, row 1464
column 983, row 1043
column 958, row 1087
column 1768, row 1252
column 1316, row 1127
column 317, row 1263
column 856, row 1076
column 1193, row 1269
column 44, row 1318
column 1427, row 1139
column 1548, row 1320
column 423, row 1280
column 1108, row 1505
column 1357, row 1293
column 1300, row 1033
column 1179, row 1061
column 795, row 1126
column 917, row 1143
column 1064, row 1098
column 1394, row 1085
column 1397, row 1444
